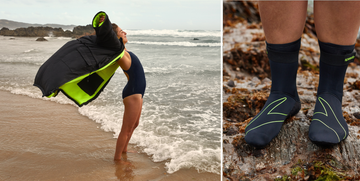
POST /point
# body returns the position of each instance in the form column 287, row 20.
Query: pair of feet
column 328, row 126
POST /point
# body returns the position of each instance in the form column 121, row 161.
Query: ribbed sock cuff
column 284, row 53
column 337, row 55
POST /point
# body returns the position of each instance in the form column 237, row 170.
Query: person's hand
column 102, row 18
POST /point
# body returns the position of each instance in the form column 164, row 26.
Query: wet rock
column 41, row 39
column 231, row 132
column 255, row 81
column 260, row 166
column 231, row 83
column 357, row 115
column 266, row 81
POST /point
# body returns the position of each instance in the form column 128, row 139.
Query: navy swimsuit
column 137, row 81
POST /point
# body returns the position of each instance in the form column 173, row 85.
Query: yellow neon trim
column 97, row 19
column 77, row 94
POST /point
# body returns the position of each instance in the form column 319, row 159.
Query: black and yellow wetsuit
column 82, row 68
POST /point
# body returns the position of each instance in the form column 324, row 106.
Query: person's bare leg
column 134, row 127
column 337, row 25
column 337, row 22
column 283, row 21
column 132, row 108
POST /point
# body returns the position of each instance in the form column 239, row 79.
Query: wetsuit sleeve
column 105, row 36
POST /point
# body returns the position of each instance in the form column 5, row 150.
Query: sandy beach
column 44, row 140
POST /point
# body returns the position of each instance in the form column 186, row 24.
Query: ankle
column 334, row 60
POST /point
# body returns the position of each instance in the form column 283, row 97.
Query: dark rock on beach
column 41, row 39
column 231, row 83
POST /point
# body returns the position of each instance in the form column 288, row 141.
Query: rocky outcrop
column 48, row 31
column 15, row 24
column 41, row 39
column 32, row 32
column 83, row 31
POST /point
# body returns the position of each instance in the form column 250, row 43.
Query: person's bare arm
column 125, row 61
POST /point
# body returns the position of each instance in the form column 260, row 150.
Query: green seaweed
column 283, row 178
column 307, row 65
column 327, row 172
column 326, row 169
column 296, row 170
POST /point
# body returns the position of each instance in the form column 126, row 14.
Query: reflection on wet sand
column 124, row 168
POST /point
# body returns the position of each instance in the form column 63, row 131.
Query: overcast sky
column 128, row 14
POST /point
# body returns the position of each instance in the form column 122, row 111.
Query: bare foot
column 122, row 162
column 133, row 151
column 117, row 160
column 130, row 151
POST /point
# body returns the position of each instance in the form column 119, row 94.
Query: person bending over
column 132, row 94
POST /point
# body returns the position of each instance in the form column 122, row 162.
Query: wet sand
column 44, row 140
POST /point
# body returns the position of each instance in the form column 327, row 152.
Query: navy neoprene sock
column 328, row 125
column 283, row 100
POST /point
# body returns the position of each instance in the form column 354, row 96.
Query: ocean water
column 180, row 122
